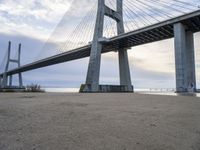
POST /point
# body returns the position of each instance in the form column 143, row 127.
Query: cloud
column 32, row 17
column 48, row 10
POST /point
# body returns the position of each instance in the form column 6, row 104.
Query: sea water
column 139, row 91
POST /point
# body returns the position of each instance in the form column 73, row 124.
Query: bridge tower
column 4, row 80
column 92, row 80
column 184, row 59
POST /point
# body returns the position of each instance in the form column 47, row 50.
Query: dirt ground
column 73, row 121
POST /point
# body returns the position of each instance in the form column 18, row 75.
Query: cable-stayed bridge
column 119, row 28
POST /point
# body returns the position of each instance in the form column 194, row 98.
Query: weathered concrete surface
column 99, row 122
column 184, row 58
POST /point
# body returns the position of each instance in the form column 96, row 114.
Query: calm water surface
column 140, row 91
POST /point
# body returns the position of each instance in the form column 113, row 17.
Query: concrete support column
column 1, row 82
column 125, row 78
column 20, row 80
column 5, row 76
column 5, row 80
column 124, row 70
column 95, row 55
column 10, row 80
column 19, row 60
column 190, row 61
column 184, row 59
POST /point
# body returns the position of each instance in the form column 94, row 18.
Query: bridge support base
column 12, row 89
column 106, row 89
column 184, row 59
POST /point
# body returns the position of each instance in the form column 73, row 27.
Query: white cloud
column 49, row 10
column 32, row 18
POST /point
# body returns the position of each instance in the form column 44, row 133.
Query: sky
column 41, row 25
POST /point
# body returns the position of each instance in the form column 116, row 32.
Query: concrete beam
column 112, row 14
column 184, row 59
column 158, row 25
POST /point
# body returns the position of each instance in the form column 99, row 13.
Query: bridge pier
column 4, row 80
column 1, row 81
column 10, row 81
column 124, row 70
column 184, row 59
column 5, row 83
column 92, row 80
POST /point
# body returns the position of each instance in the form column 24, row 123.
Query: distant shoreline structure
column 136, row 90
column 65, row 89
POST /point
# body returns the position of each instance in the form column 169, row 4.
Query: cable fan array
column 137, row 14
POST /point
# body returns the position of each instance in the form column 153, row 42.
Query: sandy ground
column 99, row 122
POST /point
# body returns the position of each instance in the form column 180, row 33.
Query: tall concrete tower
column 4, row 82
column 92, row 80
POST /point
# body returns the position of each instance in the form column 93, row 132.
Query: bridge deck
column 153, row 33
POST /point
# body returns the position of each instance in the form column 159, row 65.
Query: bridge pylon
column 184, row 59
column 4, row 81
column 92, row 80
